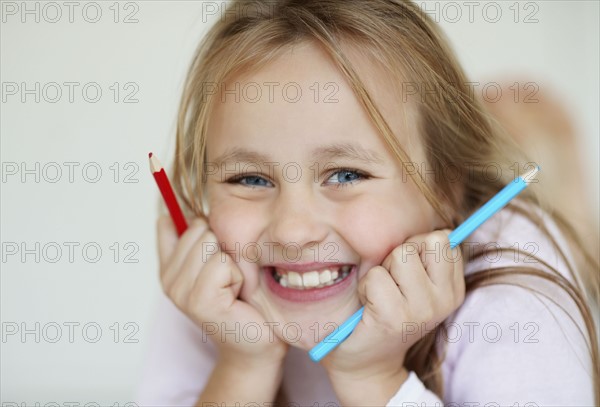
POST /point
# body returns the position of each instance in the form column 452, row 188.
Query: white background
column 559, row 52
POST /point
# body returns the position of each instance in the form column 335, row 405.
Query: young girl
column 325, row 149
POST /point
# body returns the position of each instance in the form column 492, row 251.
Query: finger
column 180, row 283
column 442, row 265
column 173, row 250
column 218, row 284
column 378, row 292
column 443, row 272
column 459, row 278
column 408, row 272
column 437, row 257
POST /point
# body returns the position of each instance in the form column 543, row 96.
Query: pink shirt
column 505, row 346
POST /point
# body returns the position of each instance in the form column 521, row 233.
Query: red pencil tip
column 149, row 155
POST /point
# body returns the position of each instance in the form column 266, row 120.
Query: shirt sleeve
column 521, row 342
column 509, row 346
column 414, row 393
column 178, row 360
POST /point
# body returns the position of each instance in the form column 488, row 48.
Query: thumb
column 236, row 277
column 220, row 276
column 376, row 289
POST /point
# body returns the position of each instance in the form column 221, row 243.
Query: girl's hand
column 204, row 283
column 419, row 284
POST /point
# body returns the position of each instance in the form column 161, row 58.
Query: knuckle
column 435, row 239
column 209, row 253
column 196, row 227
column 199, row 223
column 179, row 302
column 374, row 274
column 400, row 253
column 209, row 237
column 400, row 250
column 440, row 235
column 172, row 294
column 172, row 289
column 164, row 288
column 164, row 281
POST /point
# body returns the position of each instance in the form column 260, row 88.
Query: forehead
column 302, row 99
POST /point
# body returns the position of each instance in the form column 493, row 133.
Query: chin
column 306, row 330
column 304, row 317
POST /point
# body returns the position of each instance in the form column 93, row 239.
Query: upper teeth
column 311, row 279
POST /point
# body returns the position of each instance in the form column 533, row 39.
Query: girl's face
column 301, row 189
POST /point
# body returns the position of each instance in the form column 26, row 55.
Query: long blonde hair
column 455, row 129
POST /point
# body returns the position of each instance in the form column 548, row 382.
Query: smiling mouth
column 310, row 279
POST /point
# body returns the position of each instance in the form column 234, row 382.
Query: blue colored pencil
column 499, row 201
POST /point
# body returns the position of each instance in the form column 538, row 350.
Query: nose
column 297, row 219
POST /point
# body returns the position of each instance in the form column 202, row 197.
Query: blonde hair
column 455, row 129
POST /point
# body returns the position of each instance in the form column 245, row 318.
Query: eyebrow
column 331, row 152
column 238, row 154
column 347, row 151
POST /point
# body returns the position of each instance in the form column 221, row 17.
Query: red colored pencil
column 167, row 193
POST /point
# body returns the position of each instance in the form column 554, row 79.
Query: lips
column 309, row 282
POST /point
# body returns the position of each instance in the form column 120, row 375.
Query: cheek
column 236, row 228
column 373, row 228
column 234, row 223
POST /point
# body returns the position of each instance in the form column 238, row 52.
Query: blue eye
column 344, row 177
column 251, row 181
